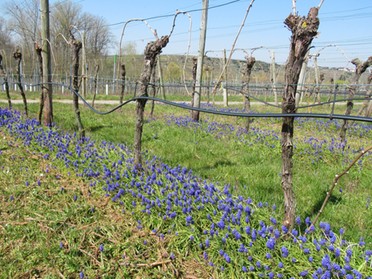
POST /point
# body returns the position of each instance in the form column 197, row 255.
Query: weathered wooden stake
column 47, row 87
column 199, row 71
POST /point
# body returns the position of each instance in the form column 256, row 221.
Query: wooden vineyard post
column 303, row 29
column 195, row 114
column 47, row 87
column 152, row 50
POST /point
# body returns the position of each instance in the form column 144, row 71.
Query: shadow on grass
column 97, row 128
column 220, row 163
column 318, row 205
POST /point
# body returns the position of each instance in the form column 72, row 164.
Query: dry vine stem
column 360, row 68
column 76, row 45
column 153, row 31
column 18, row 57
column 335, row 180
column 178, row 12
column 152, row 50
column 5, row 78
column 233, row 47
column 245, row 86
column 39, row 50
column 303, row 30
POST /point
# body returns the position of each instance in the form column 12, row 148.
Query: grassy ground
column 251, row 165
column 57, row 225
column 53, row 225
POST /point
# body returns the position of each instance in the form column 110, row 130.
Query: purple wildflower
column 284, row 251
column 270, row 243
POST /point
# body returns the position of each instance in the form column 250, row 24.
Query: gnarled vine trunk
column 18, row 57
column 193, row 72
column 96, row 70
column 77, row 45
column 39, row 50
column 368, row 101
column 303, row 29
column 153, row 89
column 245, row 86
column 123, row 74
column 360, row 68
column 3, row 74
column 152, row 50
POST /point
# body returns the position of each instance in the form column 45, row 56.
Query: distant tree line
column 20, row 29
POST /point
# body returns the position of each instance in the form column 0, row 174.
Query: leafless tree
column 64, row 15
column 97, row 34
column 24, row 23
column 92, row 31
column 6, row 43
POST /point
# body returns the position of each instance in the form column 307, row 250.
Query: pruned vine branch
column 233, row 47
column 334, row 184
column 153, row 31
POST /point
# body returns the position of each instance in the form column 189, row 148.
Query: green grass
column 252, row 169
column 38, row 219
column 53, row 227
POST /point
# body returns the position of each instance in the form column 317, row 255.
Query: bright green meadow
column 58, row 222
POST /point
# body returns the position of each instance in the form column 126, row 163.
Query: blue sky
column 344, row 24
